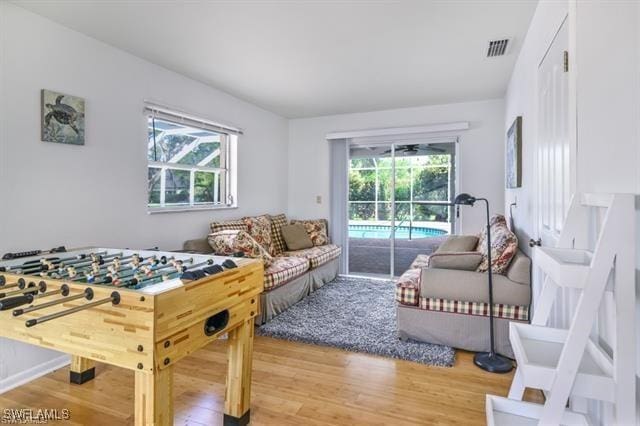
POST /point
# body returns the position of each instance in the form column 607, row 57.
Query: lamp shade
column 464, row 199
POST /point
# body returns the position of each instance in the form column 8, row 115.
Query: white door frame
column 403, row 140
column 569, row 20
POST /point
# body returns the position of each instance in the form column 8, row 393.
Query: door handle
column 533, row 243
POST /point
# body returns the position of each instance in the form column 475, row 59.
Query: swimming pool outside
column 401, row 232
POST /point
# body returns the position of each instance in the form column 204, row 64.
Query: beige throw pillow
column 296, row 237
column 317, row 230
column 458, row 243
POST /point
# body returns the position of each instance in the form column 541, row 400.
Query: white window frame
column 225, row 175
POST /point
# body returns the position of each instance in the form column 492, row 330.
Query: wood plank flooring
column 293, row 384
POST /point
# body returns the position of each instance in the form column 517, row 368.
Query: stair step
column 537, row 351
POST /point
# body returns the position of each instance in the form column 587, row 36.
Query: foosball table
column 143, row 310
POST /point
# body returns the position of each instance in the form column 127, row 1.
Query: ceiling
column 310, row 58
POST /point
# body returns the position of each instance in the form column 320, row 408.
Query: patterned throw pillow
column 226, row 243
column 259, row 227
column 279, row 245
column 504, row 245
column 235, row 225
column 317, row 230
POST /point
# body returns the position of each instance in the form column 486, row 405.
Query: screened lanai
column 399, row 203
column 187, row 164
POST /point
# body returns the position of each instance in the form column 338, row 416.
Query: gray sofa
column 291, row 276
column 443, row 300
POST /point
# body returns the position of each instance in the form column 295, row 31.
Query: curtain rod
column 398, row 131
column 154, row 107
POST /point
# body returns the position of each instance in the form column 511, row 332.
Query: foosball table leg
column 238, row 393
column 82, row 370
column 154, row 397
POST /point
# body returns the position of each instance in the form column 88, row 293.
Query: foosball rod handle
column 14, row 302
column 17, row 255
column 113, row 299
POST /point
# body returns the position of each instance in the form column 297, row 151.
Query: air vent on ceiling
column 497, row 47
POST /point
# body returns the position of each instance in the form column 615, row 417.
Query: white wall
column 608, row 108
column 481, row 153
column 606, row 49
column 96, row 194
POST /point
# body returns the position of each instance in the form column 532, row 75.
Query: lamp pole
column 490, row 273
column 488, row 361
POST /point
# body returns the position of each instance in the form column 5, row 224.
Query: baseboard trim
column 33, row 373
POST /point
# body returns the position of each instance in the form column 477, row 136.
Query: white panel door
column 554, row 158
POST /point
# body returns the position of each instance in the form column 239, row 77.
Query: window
column 189, row 163
column 420, row 180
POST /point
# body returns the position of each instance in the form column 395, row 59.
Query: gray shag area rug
column 355, row 314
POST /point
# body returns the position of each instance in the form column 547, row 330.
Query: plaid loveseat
column 288, row 275
column 443, row 297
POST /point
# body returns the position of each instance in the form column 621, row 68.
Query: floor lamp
column 489, row 361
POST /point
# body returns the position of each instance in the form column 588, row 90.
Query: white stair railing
column 567, row 364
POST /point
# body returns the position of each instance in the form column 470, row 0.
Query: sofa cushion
column 277, row 222
column 296, row 237
column 259, row 227
column 226, row 243
column 511, row 312
column 520, row 269
column 284, row 269
column 200, row 245
column 464, row 261
column 471, row 286
column 504, row 245
column 408, row 293
column 228, row 225
column 458, row 243
column 317, row 256
column 317, row 230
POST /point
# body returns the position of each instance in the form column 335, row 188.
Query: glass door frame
column 393, row 143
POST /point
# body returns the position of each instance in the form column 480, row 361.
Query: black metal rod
column 10, row 256
column 32, row 288
column 158, row 278
column 116, row 277
column 86, row 294
column 8, row 286
column 42, row 264
column 490, row 273
column 114, row 299
column 94, row 270
column 63, row 290
column 110, row 270
column 21, row 283
column 156, row 272
column 87, row 262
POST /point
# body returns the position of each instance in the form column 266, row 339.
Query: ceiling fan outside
column 414, row 149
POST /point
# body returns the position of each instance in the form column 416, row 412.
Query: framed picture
column 62, row 118
column 514, row 155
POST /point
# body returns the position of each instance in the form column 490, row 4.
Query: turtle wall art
column 62, row 118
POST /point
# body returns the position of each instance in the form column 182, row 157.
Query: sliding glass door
column 370, row 203
column 424, row 189
column 399, row 195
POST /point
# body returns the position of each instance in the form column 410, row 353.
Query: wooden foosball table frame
column 148, row 331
